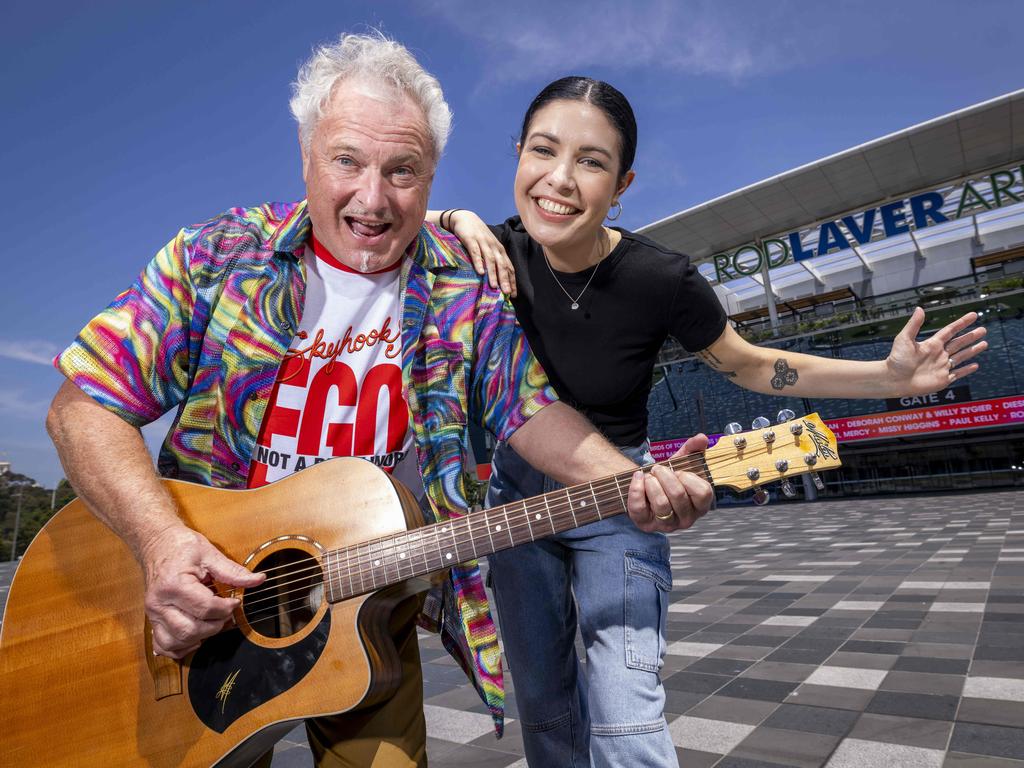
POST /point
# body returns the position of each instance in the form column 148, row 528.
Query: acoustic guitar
column 340, row 543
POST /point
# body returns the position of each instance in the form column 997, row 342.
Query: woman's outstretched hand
column 921, row 367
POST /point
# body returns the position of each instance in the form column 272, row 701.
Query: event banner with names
column 918, row 421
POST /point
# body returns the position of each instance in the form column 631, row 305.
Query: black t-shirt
column 600, row 357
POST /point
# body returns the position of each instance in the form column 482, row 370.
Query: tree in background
column 38, row 505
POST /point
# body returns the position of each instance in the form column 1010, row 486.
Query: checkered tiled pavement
column 848, row 634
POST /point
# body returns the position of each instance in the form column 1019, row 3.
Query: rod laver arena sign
column 898, row 217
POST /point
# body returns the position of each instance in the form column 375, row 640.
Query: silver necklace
column 575, row 302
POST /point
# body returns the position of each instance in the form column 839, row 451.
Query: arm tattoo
column 710, row 359
column 784, row 375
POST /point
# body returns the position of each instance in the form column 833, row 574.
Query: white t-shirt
column 339, row 389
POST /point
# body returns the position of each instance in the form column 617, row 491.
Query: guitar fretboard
column 373, row 565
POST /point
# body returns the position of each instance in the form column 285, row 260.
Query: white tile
column 716, row 736
column 848, row 677
column 855, row 544
column 922, row 585
column 795, row 577
column 858, row 753
column 683, row 648
column 1002, row 688
column 982, row 585
column 686, row 607
column 836, row 563
column 958, row 607
column 683, row 582
column 789, row 621
column 858, row 605
column 455, row 725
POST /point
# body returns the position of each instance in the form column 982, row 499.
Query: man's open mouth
column 367, row 228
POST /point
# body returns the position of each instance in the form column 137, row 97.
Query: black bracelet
column 440, row 220
column 451, row 212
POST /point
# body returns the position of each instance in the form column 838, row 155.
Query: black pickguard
column 260, row 674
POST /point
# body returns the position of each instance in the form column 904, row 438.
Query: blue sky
column 123, row 121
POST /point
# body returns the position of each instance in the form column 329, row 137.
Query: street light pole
column 17, row 522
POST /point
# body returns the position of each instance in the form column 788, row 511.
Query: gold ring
column 669, row 516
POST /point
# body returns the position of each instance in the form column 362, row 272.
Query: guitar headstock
column 796, row 446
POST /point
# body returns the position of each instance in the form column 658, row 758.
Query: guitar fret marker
column 402, row 556
column 497, row 527
column 447, row 555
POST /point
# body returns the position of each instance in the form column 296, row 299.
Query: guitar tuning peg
column 761, row 496
column 787, row 489
column 784, row 415
column 733, row 428
column 760, row 423
column 818, row 482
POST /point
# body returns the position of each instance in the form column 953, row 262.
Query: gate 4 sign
column 960, row 394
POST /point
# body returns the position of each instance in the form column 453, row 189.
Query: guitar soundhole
column 289, row 598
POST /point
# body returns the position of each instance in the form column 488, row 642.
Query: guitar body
column 79, row 684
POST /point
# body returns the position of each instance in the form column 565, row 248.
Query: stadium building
column 831, row 258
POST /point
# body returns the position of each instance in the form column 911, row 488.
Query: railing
column 957, row 292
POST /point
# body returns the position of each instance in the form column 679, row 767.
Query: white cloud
column 535, row 38
column 29, row 351
column 16, row 402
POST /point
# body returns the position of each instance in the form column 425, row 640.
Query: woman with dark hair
column 597, row 303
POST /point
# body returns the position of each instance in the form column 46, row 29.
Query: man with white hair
column 287, row 334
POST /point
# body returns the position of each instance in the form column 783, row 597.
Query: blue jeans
column 613, row 715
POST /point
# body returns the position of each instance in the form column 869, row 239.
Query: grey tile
column 798, row 717
column 913, row 705
column 762, row 690
column 991, row 712
column 912, row 731
column 716, row 666
column 830, row 696
column 994, row 740
column 746, row 711
column 917, row 682
column 961, row 760
column 932, row 664
column 743, row 762
column 792, row 748
column 693, row 758
column 696, row 683
column 678, row 702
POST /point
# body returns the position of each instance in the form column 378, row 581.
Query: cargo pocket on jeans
column 648, row 583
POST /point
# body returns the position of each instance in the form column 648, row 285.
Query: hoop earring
column 617, row 214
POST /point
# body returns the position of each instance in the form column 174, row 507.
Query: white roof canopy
column 937, row 152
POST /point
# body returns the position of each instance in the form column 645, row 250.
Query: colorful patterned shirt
column 204, row 330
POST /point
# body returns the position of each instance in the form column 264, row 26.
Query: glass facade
column 689, row 397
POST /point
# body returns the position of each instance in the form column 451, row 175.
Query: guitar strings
column 421, row 542
column 414, row 541
column 671, row 463
column 415, row 544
